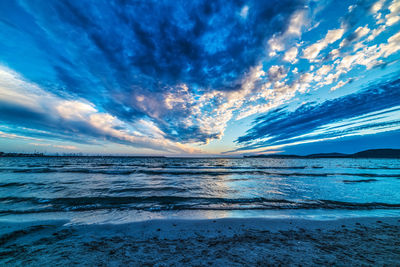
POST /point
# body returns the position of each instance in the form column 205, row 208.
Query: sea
column 90, row 190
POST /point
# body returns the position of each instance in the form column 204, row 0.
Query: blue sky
column 199, row 77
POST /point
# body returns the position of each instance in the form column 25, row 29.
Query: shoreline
column 225, row 241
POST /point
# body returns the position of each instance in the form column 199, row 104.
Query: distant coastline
column 16, row 155
column 370, row 153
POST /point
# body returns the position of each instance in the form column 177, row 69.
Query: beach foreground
column 220, row 242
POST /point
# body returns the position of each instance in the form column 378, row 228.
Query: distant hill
column 378, row 153
column 327, row 155
column 272, row 156
column 370, row 153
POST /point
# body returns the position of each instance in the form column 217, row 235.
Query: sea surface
column 88, row 190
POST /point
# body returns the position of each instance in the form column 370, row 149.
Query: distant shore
column 371, row 153
column 39, row 155
column 221, row 242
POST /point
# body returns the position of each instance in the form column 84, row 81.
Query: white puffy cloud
column 377, row 6
column 276, row 73
column 376, row 32
column 370, row 56
column 291, row 55
column 322, row 71
column 394, row 13
column 339, row 84
column 275, row 44
column 312, row 51
column 74, row 110
column 361, row 32
column 297, row 23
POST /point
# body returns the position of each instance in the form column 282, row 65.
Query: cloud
column 357, row 12
column 276, row 73
column 369, row 56
column 16, row 136
column 65, row 147
column 377, row 6
column 340, row 84
column 39, row 144
column 298, row 21
column 69, row 147
column 138, row 56
column 244, row 12
column 279, row 126
column 312, row 51
column 291, row 55
column 393, row 16
column 384, row 21
column 359, row 33
column 26, row 104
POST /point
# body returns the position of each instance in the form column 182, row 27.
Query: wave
column 218, row 173
column 37, row 170
column 90, row 169
column 21, row 233
column 146, row 189
column 370, row 175
column 257, row 172
column 164, row 203
column 360, row 181
column 379, row 168
column 186, row 171
column 16, row 184
column 222, row 167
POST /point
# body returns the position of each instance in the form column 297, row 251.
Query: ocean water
column 116, row 190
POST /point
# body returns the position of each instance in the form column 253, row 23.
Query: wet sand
column 221, row 242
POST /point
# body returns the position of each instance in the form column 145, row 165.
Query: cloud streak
column 25, row 104
column 310, row 120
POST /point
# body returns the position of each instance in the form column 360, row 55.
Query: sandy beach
column 220, row 242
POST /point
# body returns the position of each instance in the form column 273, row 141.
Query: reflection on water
column 103, row 189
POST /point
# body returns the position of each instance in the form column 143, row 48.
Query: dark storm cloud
column 280, row 125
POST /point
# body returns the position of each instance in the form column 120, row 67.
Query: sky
column 192, row 78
